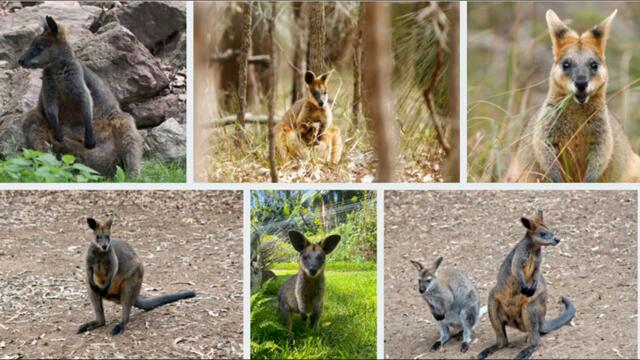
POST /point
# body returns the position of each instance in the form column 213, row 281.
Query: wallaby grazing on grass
column 574, row 138
column 303, row 293
column 114, row 273
column 453, row 301
column 309, row 123
column 73, row 96
column 519, row 299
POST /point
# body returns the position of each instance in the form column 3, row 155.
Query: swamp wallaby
column 303, row 293
column 114, row 273
column 453, row 301
column 519, row 299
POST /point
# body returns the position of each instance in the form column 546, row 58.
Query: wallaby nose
column 21, row 62
column 581, row 85
column 321, row 103
column 104, row 247
column 422, row 289
column 556, row 240
column 313, row 272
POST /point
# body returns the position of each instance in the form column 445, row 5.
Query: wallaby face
column 579, row 60
column 538, row 231
column 312, row 256
column 44, row 49
column 317, row 88
column 427, row 275
column 101, row 232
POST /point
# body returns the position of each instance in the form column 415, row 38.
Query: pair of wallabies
column 74, row 100
column 114, row 273
column 309, row 124
column 573, row 126
column 518, row 300
column 303, row 293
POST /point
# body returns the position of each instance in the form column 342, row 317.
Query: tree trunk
column 272, row 93
column 451, row 166
column 356, row 106
column 316, row 37
column 377, row 80
column 299, row 52
column 243, row 60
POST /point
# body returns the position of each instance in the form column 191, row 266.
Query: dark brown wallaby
column 114, row 273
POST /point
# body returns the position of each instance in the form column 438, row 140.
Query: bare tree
column 272, row 93
column 377, row 80
column 451, row 167
column 299, row 58
column 316, row 37
column 356, row 106
column 243, row 60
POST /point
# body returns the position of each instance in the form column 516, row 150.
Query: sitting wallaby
column 453, row 301
column 519, row 299
column 114, row 273
column 303, row 293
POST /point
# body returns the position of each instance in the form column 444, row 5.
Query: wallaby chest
column 311, row 291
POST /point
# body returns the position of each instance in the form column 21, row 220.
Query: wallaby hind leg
column 316, row 312
column 96, row 300
column 443, row 329
column 498, row 327
column 128, row 295
column 285, row 315
column 36, row 130
column 469, row 317
column 531, row 316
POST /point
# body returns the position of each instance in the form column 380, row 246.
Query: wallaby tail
column 562, row 319
column 150, row 303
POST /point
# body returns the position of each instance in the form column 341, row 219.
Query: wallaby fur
column 115, row 273
column 453, row 300
column 519, row 299
column 592, row 146
column 309, row 123
column 73, row 98
column 303, row 293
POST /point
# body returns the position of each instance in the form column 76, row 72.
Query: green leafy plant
column 37, row 166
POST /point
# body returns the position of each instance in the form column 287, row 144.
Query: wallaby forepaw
column 436, row 345
column 528, row 291
column 58, row 136
column 464, row 347
column 90, row 144
column 83, row 328
column 118, row 329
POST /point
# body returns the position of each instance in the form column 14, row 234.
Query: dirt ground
column 185, row 239
column 594, row 264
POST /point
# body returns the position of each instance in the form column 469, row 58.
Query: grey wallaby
column 114, row 273
column 453, row 300
column 303, row 293
column 519, row 299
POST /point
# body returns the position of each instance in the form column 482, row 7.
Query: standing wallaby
column 114, row 273
column 453, row 301
column 574, row 138
column 519, row 299
column 303, row 293
column 309, row 123
column 72, row 96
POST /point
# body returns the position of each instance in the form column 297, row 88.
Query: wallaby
column 453, row 301
column 73, row 96
column 519, row 299
column 573, row 126
column 309, row 123
column 303, row 293
column 114, row 273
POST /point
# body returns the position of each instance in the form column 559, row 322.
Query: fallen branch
column 248, row 118
column 232, row 55
column 428, row 98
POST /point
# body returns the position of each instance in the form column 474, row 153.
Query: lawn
column 347, row 327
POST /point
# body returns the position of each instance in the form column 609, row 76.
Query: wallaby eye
column 594, row 66
column 305, row 257
column 566, row 65
column 543, row 234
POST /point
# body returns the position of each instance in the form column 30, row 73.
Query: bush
column 37, row 166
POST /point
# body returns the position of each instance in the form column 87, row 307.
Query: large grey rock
column 155, row 111
column 18, row 95
column 18, row 29
column 166, row 142
column 131, row 71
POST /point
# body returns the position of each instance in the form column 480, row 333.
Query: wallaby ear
column 539, row 216
column 417, row 265
column 51, row 25
column 93, row 224
column 598, row 34
column 437, row 263
column 309, row 76
column 109, row 221
column 330, row 243
column 298, row 240
column 560, row 33
column 527, row 223
column 325, row 77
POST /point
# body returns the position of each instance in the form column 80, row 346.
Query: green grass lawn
column 347, row 326
column 154, row 171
